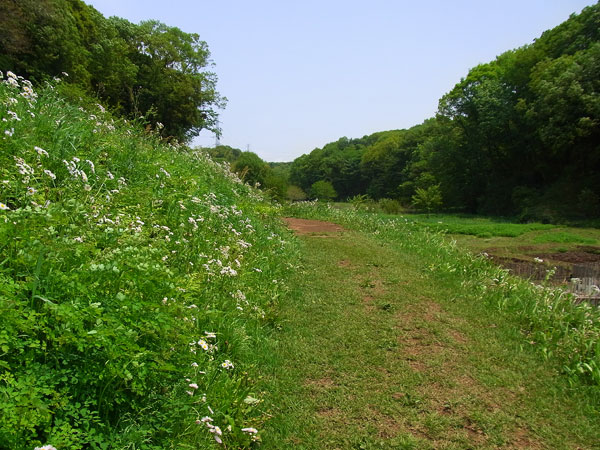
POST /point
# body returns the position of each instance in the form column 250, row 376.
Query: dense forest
column 151, row 72
column 517, row 136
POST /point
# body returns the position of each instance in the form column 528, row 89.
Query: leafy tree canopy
column 152, row 72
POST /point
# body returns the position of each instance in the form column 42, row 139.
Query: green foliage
column 323, row 190
column 517, row 136
column 429, row 199
column 389, row 206
column 361, row 201
column 148, row 71
column 295, row 194
column 563, row 237
column 131, row 272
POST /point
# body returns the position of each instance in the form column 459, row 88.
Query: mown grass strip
column 378, row 352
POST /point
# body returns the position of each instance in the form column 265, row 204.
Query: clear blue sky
column 299, row 74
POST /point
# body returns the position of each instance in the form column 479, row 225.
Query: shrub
column 323, row 190
column 389, row 206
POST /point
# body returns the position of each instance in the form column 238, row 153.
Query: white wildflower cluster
column 215, row 430
column 204, row 345
column 12, row 80
column 227, row 365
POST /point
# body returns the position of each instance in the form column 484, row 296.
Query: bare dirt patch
column 322, row 382
column 305, row 226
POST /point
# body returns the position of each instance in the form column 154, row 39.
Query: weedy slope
column 137, row 283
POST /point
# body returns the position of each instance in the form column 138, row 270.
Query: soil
column 305, row 226
column 580, row 262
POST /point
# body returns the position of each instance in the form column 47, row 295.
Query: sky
column 299, row 74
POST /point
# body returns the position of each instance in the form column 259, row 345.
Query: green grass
column 563, row 237
column 138, row 284
column 484, row 227
column 397, row 340
column 501, row 238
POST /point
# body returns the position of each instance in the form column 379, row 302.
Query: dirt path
column 376, row 356
column 305, row 226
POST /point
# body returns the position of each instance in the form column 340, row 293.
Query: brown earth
column 305, row 226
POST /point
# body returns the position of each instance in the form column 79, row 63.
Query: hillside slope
column 137, row 280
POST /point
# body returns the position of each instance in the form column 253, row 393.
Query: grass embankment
column 137, row 283
column 398, row 339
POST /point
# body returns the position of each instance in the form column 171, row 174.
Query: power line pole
column 217, row 135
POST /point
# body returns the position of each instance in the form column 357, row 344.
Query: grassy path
column 373, row 355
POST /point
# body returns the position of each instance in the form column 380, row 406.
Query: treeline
column 151, row 72
column 518, row 136
column 270, row 177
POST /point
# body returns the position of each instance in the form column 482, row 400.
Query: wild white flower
column 217, row 433
column 31, row 191
column 210, row 335
column 46, row 447
column 538, row 260
column 24, row 168
column 202, row 343
column 3, row 207
column 13, row 115
column 229, row 271
column 10, row 132
column 13, row 82
column 194, row 364
column 78, row 239
column 227, row 364
column 41, row 151
column 250, row 430
column 50, row 174
column 92, row 167
column 167, row 174
column 109, row 175
column 193, row 385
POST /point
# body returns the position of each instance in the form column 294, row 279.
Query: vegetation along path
column 376, row 355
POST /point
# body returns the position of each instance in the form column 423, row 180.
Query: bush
column 295, row 194
column 390, row 206
column 323, row 190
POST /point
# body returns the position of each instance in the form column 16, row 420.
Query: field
column 396, row 338
column 150, row 299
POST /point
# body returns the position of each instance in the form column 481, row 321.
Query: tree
column 429, row 199
column 323, row 190
column 149, row 71
column 251, row 168
column 295, row 194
